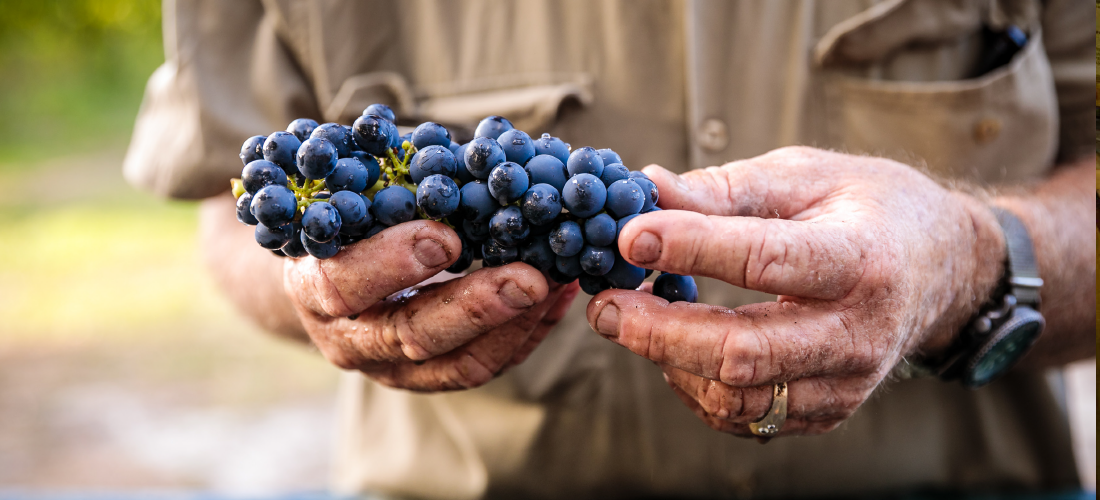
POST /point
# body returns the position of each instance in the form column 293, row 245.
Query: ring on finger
column 772, row 422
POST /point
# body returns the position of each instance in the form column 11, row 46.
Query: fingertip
column 519, row 285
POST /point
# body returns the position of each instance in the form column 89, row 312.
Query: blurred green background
column 121, row 367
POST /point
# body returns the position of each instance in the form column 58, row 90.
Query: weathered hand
column 872, row 261
column 449, row 335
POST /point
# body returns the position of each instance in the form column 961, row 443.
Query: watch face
column 1005, row 347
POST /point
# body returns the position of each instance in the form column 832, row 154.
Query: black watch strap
column 1022, row 272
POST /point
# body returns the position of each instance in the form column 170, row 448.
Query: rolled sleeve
column 227, row 76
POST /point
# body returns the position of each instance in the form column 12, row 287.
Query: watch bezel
column 1021, row 320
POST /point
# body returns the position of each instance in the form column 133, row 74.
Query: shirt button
column 713, row 135
column 986, row 130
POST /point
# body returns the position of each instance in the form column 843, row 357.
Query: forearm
column 250, row 276
column 1056, row 213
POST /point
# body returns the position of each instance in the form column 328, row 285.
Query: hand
column 451, row 335
column 872, row 261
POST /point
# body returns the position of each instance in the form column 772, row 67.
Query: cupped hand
column 449, row 335
column 872, row 261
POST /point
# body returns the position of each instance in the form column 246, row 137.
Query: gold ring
column 772, row 423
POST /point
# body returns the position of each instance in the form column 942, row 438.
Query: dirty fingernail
column 514, row 297
column 430, row 253
column 646, row 248
column 608, row 322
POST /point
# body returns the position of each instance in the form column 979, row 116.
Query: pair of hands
column 872, row 261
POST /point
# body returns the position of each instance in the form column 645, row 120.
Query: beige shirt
column 685, row 84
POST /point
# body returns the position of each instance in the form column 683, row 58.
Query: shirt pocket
column 998, row 127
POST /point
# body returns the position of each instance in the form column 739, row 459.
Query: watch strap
column 1022, row 271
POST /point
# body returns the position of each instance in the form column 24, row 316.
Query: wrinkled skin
column 872, row 261
column 447, row 335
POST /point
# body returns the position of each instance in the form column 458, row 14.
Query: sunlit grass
column 101, row 269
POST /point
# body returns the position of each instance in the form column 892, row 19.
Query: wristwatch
column 1006, row 327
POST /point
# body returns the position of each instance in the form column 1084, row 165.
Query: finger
column 432, row 320
column 473, row 364
column 547, row 324
column 812, row 260
column 778, row 184
column 370, row 270
column 752, row 345
column 792, row 427
column 810, row 399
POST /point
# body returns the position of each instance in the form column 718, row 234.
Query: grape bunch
column 315, row 188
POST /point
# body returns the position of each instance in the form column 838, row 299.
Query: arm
column 1057, row 215
column 449, row 335
column 872, row 262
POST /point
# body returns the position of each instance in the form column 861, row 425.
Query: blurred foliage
column 73, row 73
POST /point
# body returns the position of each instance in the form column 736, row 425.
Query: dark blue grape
column 321, row 221
column 278, row 253
column 477, row 231
column 634, row 174
column 244, row 210
column 317, row 158
column 475, row 250
column 614, row 172
column 253, row 149
column 625, row 275
column 294, row 248
column 584, row 161
column 624, row 197
column 674, row 288
column 600, row 230
column 649, row 189
column 569, row 266
column 322, row 251
column 395, row 139
column 281, row 148
column 541, row 204
column 546, row 169
column 477, row 203
column 517, row 145
column 584, row 195
column 374, row 170
column 437, row 196
column 431, row 134
column 492, row 127
column 375, row 229
column 260, row 173
column 507, row 182
column 465, row 258
column 537, row 254
column 495, row 255
column 349, row 175
column 394, row 205
column 653, row 209
column 539, row 230
column 273, row 238
column 354, row 209
column 381, row 110
column 558, row 276
column 432, row 160
column 301, row 128
column 372, row 134
column 597, row 261
column 274, row 205
column 593, row 285
column 547, row 145
column 454, row 148
column 622, row 223
column 482, row 155
column 337, row 135
column 608, row 156
column 463, row 174
column 567, row 240
column 508, row 227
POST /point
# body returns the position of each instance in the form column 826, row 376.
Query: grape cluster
column 315, row 188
